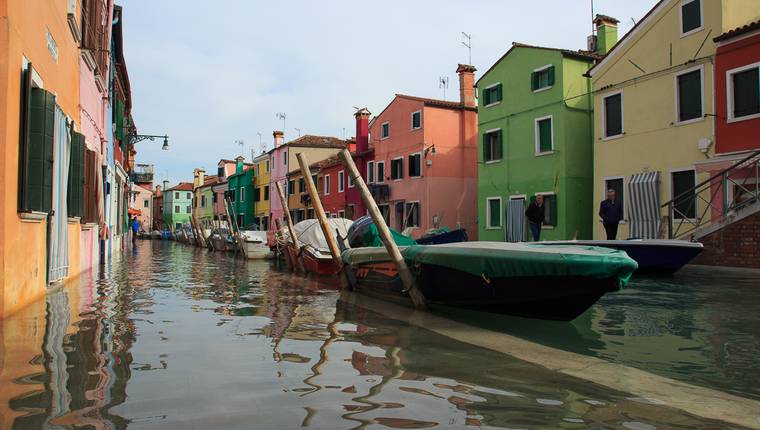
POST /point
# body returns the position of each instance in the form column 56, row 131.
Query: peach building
column 424, row 173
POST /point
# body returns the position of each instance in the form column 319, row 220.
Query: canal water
column 174, row 337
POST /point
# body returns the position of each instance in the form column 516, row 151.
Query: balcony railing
column 724, row 193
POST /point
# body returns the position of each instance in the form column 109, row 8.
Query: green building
column 240, row 191
column 178, row 204
column 535, row 122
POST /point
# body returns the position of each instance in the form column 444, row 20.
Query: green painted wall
column 173, row 199
column 567, row 171
column 242, row 180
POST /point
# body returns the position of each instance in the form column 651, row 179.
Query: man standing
column 535, row 215
column 611, row 212
column 135, row 229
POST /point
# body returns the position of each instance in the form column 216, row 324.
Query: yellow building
column 654, row 110
column 261, row 192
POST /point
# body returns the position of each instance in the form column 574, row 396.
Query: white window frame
column 537, row 136
column 701, row 18
column 412, row 120
column 378, row 178
column 671, row 196
column 541, row 69
column 388, row 123
column 546, row 193
column 676, row 105
column 410, row 156
column 485, row 133
column 604, row 194
column 326, row 184
column 489, row 224
column 604, row 115
column 341, row 179
column 402, row 167
column 730, row 93
column 419, row 213
column 488, row 88
column 371, row 169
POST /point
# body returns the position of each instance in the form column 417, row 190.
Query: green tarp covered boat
column 534, row 280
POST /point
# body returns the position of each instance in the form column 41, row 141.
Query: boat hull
column 318, row 264
column 453, row 236
column 653, row 256
column 257, row 251
column 532, row 297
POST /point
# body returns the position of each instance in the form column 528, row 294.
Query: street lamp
column 135, row 138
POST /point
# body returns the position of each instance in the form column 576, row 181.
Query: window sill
column 688, row 121
column 32, row 216
column 493, row 161
column 743, row 118
column 540, row 90
column 617, row 136
column 541, row 154
column 690, row 32
column 492, row 104
column 74, row 220
column 493, row 228
column 415, row 128
column 89, row 226
column 415, row 177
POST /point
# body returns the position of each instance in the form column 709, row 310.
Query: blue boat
column 444, row 236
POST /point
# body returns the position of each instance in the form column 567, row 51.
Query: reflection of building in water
column 84, row 366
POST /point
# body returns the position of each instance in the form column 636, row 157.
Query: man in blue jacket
column 611, row 212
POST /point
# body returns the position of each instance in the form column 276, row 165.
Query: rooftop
column 438, row 103
column 752, row 26
column 310, row 140
column 182, row 186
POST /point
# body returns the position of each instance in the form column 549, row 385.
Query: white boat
column 255, row 244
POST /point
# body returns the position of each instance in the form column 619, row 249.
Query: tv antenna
column 242, row 146
column 282, row 116
column 443, row 83
column 468, row 45
column 298, row 130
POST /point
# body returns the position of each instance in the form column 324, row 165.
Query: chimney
column 239, row 164
column 201, row 177
column 166, row 185
column 157, row 193
column 362, row 129
column 467, row 85
column 606, row 34
column 279, row 138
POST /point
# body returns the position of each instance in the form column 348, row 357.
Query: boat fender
column 486, row 278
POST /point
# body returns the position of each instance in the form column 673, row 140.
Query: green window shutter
column 486, row 146
column 545, row 135
column 486, row 98
column 499, row 145
column 38, row 172
column 76, row 176
column 119, row 120
column 550, row 72
column 498, row 93
column 533, row 81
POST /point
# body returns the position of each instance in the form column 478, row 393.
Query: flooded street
column 176, row 337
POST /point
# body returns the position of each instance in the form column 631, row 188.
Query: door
column 515, row 231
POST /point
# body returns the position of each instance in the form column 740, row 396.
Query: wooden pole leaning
column 319, row 211
column 298, row 264
column 385, row 234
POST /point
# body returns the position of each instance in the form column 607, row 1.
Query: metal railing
column 724, row 193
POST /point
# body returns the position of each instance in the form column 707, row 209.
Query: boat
column 653, row 255
column 363, row 233
column 222, row 239
column 167, row 235
column 155, row 234
column 314, row 252
column 551, row 282
column 443, row 235
column 254, row 243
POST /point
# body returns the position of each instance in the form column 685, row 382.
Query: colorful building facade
column 424, row 173
column 178, row 204
column 261, row 190
column 240, row 192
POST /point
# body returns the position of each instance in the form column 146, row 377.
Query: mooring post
column 319, row 211
column 385, row 234
column 298, row 264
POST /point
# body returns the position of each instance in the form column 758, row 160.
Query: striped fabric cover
column 644, row 206
column 515, row 221
column 58, row 255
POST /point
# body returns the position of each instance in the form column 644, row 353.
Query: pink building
column 424, row 172
column 141, row 199
column 278, row 161
column 225, row 168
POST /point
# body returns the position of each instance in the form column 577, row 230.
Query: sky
column 212, row 73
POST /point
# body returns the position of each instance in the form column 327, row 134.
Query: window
column 744, row 92
column 550, row 209
column 613, row 115
column 691, row 16
column 310, row 214
column 542, row 78
column 371, row 172
column 413, row 214
column 682, row 189
column 341, row 180
column 231, row 194
column 176, row 209
column 493, row 214
column 240, row 220
column 350, row 211
column 617, row 185
column 242, row 194
column 220, row 171
column 381, row 171
column 492, row 95
column 398, row 213
column 187, row 209
column 176, row 195
column 285, row 158
column 266, row 193
column 397, row 168
column 341, row 214
column 291, row 187
column 301, row 185
column 146, row 203
column 350, row 182
column 544, row 135
column 203, row 202
column 214, row 197
column 256, row 194
column 385, row 211
column 492, row 145
column 415, row 165
column 689, row 95
column 188, row 196
column 416, row 120
column 327, row 184
column 385, row 130
column 268, row 165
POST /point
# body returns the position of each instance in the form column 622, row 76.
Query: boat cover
column 503, row 260
column 364, row 232
column 309, row 233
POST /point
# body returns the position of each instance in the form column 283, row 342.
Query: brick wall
column 735, row 245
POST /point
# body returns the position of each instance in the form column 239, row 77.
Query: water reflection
column 174, row 337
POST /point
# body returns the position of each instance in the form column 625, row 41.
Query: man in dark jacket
column 611, row 212
column 535, row 215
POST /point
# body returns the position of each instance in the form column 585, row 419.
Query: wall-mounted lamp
column 430, row 149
